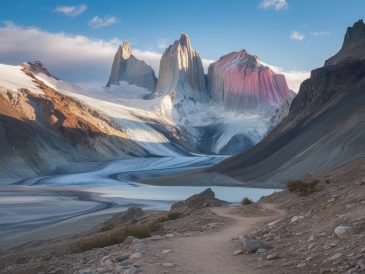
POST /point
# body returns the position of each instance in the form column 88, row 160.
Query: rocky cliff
column 353, row 45
column 181, row 70
column 126, row 67
column 239, row 82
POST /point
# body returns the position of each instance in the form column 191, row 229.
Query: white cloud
column 275, row 4
column 320, row 33
column 71, row 11
column 163, row 43
column 97, row 22
column 293, row 77
column 77, row 58
column 297, row 36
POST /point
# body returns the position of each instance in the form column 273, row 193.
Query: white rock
column 334, row 257
column 239, row 251
column 296, row 218
column 272, row 256
column 341, row 231
column 165, row 251
column 136, row 255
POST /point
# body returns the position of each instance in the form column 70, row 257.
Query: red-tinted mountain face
column 238, row 82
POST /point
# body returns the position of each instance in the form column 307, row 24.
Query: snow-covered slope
column 13, row 78
column 46, row 123
column 134, row 123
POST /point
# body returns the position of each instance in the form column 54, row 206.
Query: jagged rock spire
column 126, row 67
column 181, row 70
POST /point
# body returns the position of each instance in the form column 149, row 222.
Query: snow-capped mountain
column 46, row 123
column 126, row 67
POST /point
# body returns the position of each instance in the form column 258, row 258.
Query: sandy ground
column 210, row 252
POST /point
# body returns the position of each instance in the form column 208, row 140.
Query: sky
column 77, row 40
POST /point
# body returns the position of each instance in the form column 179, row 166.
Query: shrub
column 106, row 226
column 173, row 215
column 303, row 188
column 114, row 237
column 246, row 201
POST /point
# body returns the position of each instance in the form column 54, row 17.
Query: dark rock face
column 324, row 129
column 126, row 67
column 201, row 200
column 37, row 67
column 353, row 46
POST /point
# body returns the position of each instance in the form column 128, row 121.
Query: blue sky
column 291, row 34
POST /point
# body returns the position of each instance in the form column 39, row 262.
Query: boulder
column 197, row 201
column 341, row 231
column 252, row 245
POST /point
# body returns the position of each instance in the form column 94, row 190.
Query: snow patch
column 14, row 79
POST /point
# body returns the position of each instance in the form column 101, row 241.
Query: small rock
column 334, row 257
column 165, row 251
column 131, row 270
column 311, row 238
column 296, row 218
column 170, row 235
column 155, row 237
column 239, row 251
column 300, row 265
column 136, row 256
column 272, row 256
column 122, row 258
column 261, row 250
column 167, row 264
column 273, row 223
column 341, row 231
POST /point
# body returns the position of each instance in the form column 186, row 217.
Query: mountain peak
column 126, row 50
column 355, row 33
column 353, row 45
column 184, row 39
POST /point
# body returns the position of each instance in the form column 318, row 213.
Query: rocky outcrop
column 181, row 70
column 201, row 200
column 353, row 46
column 238, row 81
column 126, row 67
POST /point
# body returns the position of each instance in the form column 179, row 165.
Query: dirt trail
column 213, row 252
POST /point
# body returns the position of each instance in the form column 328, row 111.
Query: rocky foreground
column 317, row 225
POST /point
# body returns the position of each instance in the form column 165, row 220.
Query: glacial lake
column 46, row 207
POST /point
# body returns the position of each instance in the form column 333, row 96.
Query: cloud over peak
column 98, row 22
column 71, row 11
column 275, row 4
column 297, row 36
